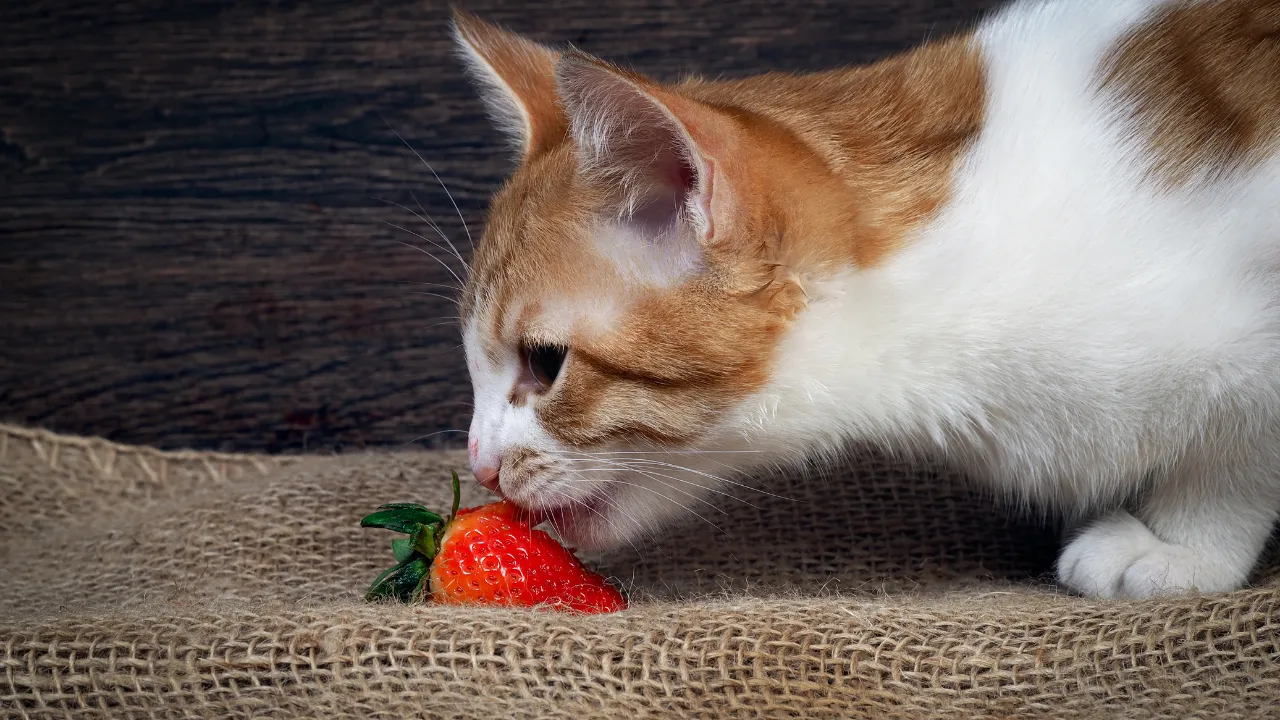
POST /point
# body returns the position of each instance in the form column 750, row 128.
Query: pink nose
column 486, row 475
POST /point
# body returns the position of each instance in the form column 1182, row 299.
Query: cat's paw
column 1118, row 557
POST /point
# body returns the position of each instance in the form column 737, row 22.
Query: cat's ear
column 661, row 152
column 517, row 80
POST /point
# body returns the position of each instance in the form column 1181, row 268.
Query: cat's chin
column 584, row 524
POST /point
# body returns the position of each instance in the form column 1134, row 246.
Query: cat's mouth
column 575, row 521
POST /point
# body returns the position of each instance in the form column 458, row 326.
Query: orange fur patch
column 888, row 135
column 527, row 69
column 1205, row 81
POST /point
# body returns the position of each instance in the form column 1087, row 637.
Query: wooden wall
column 196, row 243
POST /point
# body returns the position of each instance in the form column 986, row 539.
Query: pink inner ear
column 672, row 181
column 688, row 177
column 628, row 137
column 676, row 173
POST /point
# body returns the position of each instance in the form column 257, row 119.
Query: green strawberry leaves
column 401, row 517
column 402, row 549
column 406, row 581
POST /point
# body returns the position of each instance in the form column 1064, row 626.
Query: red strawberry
column 488, row 555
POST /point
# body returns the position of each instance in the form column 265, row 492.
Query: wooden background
column 195, row 250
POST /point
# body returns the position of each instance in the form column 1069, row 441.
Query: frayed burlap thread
column 145, row 584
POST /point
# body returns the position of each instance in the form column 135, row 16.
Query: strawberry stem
column 424, row 541
column 457, row 490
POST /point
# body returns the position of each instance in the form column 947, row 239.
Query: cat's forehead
column 552, row 262
column 536, row 221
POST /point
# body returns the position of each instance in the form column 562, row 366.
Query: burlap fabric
column 138, row 583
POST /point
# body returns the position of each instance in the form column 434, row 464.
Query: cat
column 1046, row 250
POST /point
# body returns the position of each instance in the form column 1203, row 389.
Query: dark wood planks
column 191, row 252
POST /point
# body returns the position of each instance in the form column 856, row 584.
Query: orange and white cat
column 1047, row 251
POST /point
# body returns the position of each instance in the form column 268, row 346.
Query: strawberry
column 487, row 555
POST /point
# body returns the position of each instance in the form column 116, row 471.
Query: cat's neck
column 886, row 137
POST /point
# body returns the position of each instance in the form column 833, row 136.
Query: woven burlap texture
column 139, row 583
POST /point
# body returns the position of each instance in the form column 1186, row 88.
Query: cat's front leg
column 1202, row 527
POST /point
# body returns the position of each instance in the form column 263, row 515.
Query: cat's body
column 1047, row 252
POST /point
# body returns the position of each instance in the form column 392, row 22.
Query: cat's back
column 1137, row 109
column 1133, row 142
column 1113, row 229
column 1197, row 82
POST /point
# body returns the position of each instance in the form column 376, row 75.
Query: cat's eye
column 542, row 362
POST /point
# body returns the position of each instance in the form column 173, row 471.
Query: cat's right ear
column 517, row 80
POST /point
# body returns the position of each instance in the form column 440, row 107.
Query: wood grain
column 195, row 250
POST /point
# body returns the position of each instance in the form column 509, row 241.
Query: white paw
column 1118, row 557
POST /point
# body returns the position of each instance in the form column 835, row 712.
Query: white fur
column 498, row 426
column 661, row 261
column 1064, row 330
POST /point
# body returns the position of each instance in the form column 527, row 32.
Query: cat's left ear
column 664, row 155
column 517, row 79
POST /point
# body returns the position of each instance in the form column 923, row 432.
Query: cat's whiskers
column 443, row 264
column 727, row 481
column 431, row 294
column 446, row 286
column 427, row 217
column 672, row 452
column 653, row 475
column 438, row 324
column 689, row 451
column 682, row 506
column 428, row 435
column 464, row 403
column 437, row 177
column 617, row 531
column 444, row 351
column 431, row 224
column 631, row 463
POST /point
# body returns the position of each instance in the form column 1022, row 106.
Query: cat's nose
column 486, row 475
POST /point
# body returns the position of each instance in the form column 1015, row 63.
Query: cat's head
column 632, row 287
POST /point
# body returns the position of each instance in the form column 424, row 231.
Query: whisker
column 646, row 488
column 632, row 463
column 446, row 322
column 424, row 437
column 442, row 352
column 426, row 218
column 437, row 177
column 424, row 252
column 602, row 516
column 655, row 476
column 691, row 451
column 669, row 452
column 745, row 486
column 431, row 294
column 431, row 224
column 447, row 286
column 451, row 404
